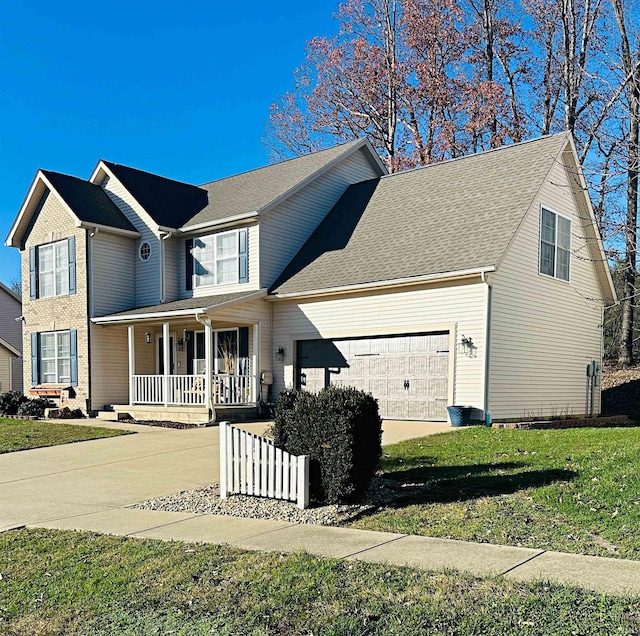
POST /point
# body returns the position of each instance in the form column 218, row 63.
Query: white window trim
column 56, row 358
column 194, row 283
column 54, row 271
column 555, row 254
column 214, row 335
column 145, row 260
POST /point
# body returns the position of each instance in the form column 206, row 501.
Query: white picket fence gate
column 252, row 465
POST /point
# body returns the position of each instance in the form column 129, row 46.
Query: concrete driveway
column 71, row 480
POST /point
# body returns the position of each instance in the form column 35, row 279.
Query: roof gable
column 453, row 216
column 10, row 293
column 168, row 202
column 260, row 189
column 87, row 204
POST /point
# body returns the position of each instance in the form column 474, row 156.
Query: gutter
column 399, row 282
column 229, row 220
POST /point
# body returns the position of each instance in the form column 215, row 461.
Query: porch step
column 107, row 415
column 183, row 414
column 236, row 414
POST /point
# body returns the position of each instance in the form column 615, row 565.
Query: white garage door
column 408, row 374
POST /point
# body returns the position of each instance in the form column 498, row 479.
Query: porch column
column 132, row 362
column 166, row 360
column 255, row 359
column 208, row 362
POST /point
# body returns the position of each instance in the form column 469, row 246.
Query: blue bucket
column 460, row 415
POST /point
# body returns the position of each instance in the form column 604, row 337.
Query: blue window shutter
column 33, row 274
column 73, row 349
column 190, row 352
column 188, row 259
column 35, row 355
column 243, row 261
column 72, row 264
column 243, row 342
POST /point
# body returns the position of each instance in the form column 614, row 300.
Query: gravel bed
column 161, row 423
column 207, row 501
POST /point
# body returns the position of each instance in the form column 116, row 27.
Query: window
column 52, row 269
column 218, row 259
column 53, row 357
column 145, row 251
column 555, row 245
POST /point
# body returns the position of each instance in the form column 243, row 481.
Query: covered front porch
column 192, row 364
column 191, row 360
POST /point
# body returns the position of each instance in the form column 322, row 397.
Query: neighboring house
column 477, row 281
column 10, row 340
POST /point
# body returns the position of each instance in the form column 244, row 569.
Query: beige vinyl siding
column 544, row 331
column 5, row 370
column 285, row 228
column 171, row 259
column 113, row 264
column 147, row 272
column 11, row 332
column 458, row 308
column 109, row 366
column 209, row 290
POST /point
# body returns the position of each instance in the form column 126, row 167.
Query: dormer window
column 218, row 259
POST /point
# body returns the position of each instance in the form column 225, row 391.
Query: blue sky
column 180, row 89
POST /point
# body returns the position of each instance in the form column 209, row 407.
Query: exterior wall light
column 180, row 344
column 280, row 354
column 147, row 337
column 186, row 336
column 466, row 346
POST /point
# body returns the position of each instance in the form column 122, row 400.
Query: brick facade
column 58, row 313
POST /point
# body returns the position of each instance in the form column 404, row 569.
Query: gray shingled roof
column 251, row 191
column 181, row 205
column 89, row 202
column 452, row 216
column 169, row 203
column 202, row 302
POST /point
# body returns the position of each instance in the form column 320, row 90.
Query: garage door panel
column 407, row 374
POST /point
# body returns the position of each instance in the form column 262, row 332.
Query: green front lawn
column 574, row 490
column 78, row 583
column 18, row 435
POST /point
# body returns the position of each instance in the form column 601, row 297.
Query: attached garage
column 408, row 374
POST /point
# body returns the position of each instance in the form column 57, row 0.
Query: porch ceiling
column 186, row 307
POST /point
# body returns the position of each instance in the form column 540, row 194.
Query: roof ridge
column 279, row 163
column 477, row 154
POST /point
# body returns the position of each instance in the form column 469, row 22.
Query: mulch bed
column 576, row 422
column 161, row 423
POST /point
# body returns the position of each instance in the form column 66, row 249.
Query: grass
column 573, row 490
column 78, row 583
column 16, row 435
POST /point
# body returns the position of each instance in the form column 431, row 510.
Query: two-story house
column 10, row 340
column 479, row 280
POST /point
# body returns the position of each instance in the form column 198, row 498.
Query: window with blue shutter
column 243, row 257
column 33, row 273
column 35, row 356
column 219, row 259
column 52, row 269
column 54, row 357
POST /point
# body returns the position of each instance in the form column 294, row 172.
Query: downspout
column 487, row 361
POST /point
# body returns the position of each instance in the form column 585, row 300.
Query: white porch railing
column 191, row 389
column 231, row 389
column 252, row 465
column 147, row 389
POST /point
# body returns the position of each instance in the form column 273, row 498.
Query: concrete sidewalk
column 606, row 575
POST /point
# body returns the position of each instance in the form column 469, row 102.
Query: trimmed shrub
column 10, row 402
column 35, row 407
column 341, row 430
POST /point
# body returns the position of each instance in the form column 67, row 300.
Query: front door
column 160, row 356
